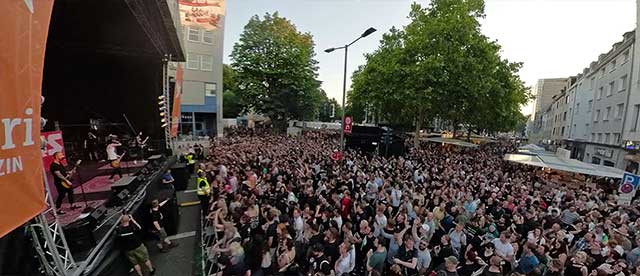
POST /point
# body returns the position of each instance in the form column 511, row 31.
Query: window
column 566, row 99
column 597, row 116
column 625, row 56
column 564, row 116
column 590, row 106
column 602, row 72
column 623, row 83
column 194, row 34
column 207, row 37
column 577, row 108
column 600, row 92
column 606, row 138
column 636, row 113
column 608, row 163
column 562, row 132
column 193, row 61
column 613, row 65
column 619, row 111
column 616, row 138
column 210, row 89
column 206, row 63
column 612, row 87
column 607, row 114
column 593, row 137
column 599, row 137
column 592, row 83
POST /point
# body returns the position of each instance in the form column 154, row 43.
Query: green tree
column 441, row 66
column 232, row 103
column 276, row 70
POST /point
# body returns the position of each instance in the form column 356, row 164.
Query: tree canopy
column 276, row 73
column 441, row 66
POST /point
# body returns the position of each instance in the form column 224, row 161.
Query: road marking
column 182, row 235
column 189, row 203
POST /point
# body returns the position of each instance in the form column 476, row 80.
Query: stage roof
column 550, row 160
column 452, row 142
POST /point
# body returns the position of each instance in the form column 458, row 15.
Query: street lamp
column 344, row 81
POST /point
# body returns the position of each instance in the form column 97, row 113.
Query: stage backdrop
column 24, row 25
column 175, row 112
column 207, row 14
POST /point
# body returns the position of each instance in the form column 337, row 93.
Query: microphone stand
column 87, row 208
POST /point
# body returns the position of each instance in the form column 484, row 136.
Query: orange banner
column 24, row 26
column 177, row 93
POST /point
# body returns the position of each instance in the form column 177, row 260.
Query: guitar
column 116, row 163
column 70, row 173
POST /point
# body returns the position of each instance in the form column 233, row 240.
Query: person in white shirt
column 504, row 249
column 347, row 260
column 112, row 156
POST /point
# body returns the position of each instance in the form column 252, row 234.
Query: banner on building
column 177, row 94
column 348, row 125
column 52, row 143
column 206, row 14
column 24, row 26
column 628, row 188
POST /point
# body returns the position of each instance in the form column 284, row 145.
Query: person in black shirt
column 157, row 228
column 61, row 181
column 320, row 265
column 129, row 241
column 407, row 257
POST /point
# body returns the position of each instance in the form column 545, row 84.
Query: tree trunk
column 416, row 137
column 469, row 134
column 455, row 128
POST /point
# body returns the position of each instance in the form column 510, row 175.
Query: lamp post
column 344, row 80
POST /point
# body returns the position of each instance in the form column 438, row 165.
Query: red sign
column 336, row 156
column 348, row 125
column 52, row 143
column 24, row 26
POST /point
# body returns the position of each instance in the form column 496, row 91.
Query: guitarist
column 61, row 180
column 114, row 158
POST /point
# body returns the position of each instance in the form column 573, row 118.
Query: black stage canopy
column 105, row 59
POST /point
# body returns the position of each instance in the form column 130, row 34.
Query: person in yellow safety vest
column 203, row 191
column 191, row 162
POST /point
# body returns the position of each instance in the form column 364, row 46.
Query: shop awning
column 550, row 160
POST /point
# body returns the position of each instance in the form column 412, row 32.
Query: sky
column 553, row 38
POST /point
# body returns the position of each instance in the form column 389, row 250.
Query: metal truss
column 49, row 241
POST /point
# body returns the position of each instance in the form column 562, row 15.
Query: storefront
column 605, row 155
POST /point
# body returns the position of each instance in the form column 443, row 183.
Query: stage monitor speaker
column 180, row 175
column 97, row 215
column 79, row 235
column 118, row 199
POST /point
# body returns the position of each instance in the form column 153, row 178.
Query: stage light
column 161, row 103
column 163, row 125
column 160, row 98
column 163, row 120
column 161, row 114
column 162, row 108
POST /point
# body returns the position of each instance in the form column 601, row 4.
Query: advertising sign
column 24, row 26
column 53, row 143
column 206, row 14
column 348, row 125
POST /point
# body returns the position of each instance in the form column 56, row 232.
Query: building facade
column 201, row 100
column 544, row 92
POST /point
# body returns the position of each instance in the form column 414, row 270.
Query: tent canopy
column 550, row 160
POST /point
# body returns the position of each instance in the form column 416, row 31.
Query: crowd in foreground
column 282, row 206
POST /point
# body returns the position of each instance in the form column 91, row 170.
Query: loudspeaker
column 79, row 235
column 97, row 215
column 118, row 199
column 180, row 175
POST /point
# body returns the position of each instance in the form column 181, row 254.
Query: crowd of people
column 282, row 206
